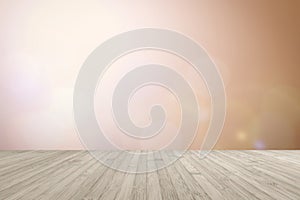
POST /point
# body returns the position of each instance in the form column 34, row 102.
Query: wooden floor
column 222, row 175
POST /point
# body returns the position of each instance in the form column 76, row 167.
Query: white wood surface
column 222, row 175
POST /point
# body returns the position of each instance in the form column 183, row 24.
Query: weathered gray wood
column 117, row 179
column 222, row 175
column 153, row 188
column 139, row 190
column 104, row 182
column 178, row 181
column 167, row 188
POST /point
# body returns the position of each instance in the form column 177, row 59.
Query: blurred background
column 255, row 44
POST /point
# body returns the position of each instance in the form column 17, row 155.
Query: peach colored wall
column 255, row 44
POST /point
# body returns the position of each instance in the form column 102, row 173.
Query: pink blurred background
column 255, row 44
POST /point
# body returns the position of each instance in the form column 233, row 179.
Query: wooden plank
column 269, row 181
column 178, row 181
column 17, row 184
column 104, row 182
column 60, row 180
column 153, row 189
column 127, row 184
column 87, row 185
column 139, row 190
column 115, row 185
column 217, row 177
column 197, row 191
column 222, row 175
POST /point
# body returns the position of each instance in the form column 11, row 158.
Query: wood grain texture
column 222, row 175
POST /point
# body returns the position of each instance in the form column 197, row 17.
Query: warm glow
column 255, row 44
